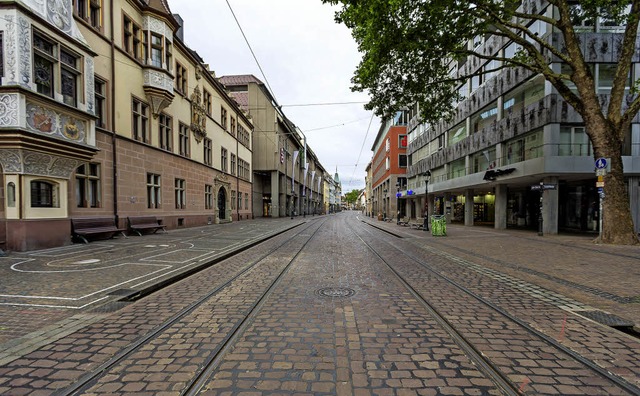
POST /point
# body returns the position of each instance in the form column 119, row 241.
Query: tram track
column 504, row 379
column 193, row 386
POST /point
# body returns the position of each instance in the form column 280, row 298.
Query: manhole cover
column 335, row 292
column 606, row 318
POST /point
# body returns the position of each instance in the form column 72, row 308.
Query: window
column 387, row 163
column 43, row 194
column 243, row 136
column 402, row 141
column 89, row 11
column 402, row 160
column 156, row 50
column 180, row 193
column 207, row 101
column 223, row 159
column 388, row 145
column 131, row 36
column 574, row 142
column 69, row 77
column 208, row 196
column 606, row 74
column 11, row 195
column 208, row 151
column 51, row 62
column 88, row 186
column 183, row 140
column 153, row 191
column 239, row 200
column 484, row 160
column 168, row 54
column 140, row 120
column 233, row 165
column 246, row 200
column 233, row 199
column 164, row 131
column 1, row 55
column 181, row 79
column 223, row 117
column 100, row 89
column 44, row 58
column 457, row 133
column 232, row 126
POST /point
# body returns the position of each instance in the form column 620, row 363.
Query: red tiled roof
column 242, row 98
column 241, row 79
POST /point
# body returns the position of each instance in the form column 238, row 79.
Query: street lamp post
column 425, row 224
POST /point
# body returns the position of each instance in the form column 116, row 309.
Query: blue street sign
column 600, row 190
column 601, row 163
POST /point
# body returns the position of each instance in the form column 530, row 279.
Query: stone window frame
column 154, row 190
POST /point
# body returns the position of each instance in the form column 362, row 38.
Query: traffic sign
column 599, row 184
column 601, row 172
column 601, row 163
column 538, row 187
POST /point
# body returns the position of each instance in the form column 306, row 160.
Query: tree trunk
column 617, row 224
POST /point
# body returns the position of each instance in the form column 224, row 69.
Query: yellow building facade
column 106, row 112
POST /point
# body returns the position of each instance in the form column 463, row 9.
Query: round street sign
column 601, row 163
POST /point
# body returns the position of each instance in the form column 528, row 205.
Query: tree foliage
column 413, row 51
column 352, row 196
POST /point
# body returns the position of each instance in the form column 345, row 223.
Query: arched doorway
column 222, row 204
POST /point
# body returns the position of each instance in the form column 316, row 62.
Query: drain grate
column 335, row 292
column 606, row 318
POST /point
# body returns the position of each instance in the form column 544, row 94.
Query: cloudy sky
column 307, row 59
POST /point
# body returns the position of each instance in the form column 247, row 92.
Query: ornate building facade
column 106, row 112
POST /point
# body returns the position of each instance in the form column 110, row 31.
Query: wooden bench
column 83, row 227
column 140, row 223
column 404, row 221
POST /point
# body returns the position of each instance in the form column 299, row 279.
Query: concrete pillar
column 468, row 207
column 275, row 194
column 500, row 219
column 550, row 203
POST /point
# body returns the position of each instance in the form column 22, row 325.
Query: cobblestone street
column 336, row 305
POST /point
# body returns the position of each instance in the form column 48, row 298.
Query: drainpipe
column 113, row 117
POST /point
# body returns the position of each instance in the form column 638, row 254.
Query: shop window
column 484, row 160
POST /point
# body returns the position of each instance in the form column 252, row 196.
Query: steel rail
column 88, row 380
column 618, row 381
column 484, row 365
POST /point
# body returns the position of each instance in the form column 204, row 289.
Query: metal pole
column 540, row 232
column 600, row 217
column 425, row 223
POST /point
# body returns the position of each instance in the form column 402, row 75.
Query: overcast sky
column 307, row 59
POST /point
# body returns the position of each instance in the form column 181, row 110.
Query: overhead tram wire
column 250, row 49
column 321, row 104
column 362, row 148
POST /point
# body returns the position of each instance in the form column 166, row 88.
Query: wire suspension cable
column 250, row 49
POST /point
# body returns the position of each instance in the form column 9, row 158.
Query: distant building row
column 104, row 111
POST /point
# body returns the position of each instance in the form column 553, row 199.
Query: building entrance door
column 222, row 204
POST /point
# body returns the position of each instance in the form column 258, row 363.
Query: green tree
column 412, row 49
column 352, row 196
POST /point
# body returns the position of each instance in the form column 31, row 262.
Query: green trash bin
column 438, row 225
